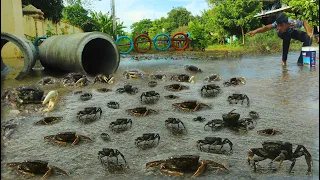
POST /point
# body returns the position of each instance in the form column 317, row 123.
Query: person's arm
column 308, row 28
column 260, row 30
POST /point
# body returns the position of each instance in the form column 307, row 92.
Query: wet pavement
column 287, row 99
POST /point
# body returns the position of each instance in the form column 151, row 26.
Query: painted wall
column 13, row 22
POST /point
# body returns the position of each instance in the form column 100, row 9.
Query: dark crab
column 105, row 136
column 199, row 118
column 210, row 90
column 85, row 96
column 140, row 111
column 235, row 81
column 268, row 132
column 176, row 87
column 254, row 115
column 23, row 95
column 128, row 89
column 30, row 168
column 120, row 124
column 110, row 153
column 158, row 77
column 113, row 105
column 103, row 90
column 179, row 165
column 152, row 83
column 214, row 124
column 235, row 98
column 147, row 138
column 175, row 126
column 190, row 106
column 89, row 114
column 47, row 81
column 183, row 78
column 214, row 141
column 149, row 97
column 279, row 151
column 192, row 69
column 75, row 79
column 171, row 96
column 133, row 74
column 48, row 120
column 65, row 138
column 212, row 77
column 104, row 79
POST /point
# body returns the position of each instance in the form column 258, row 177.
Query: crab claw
column 51, row 98
column 81, row 82
column 242, row 80
column 192, row 79
column 111, row 80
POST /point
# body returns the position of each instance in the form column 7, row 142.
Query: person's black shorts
column 315, row 31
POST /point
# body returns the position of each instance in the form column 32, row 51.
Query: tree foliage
column 78, row 16
column 140, row 27
column 177, row 17
column 52, row 9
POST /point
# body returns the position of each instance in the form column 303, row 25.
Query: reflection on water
column 285, row 98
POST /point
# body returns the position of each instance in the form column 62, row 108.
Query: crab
column 120, row 124
column 113, row 105
column 235, row 81
column 65, row 138
column 279, row 151
column 105, row 136
column 133, row 74
column 235, row 98
column 48, row 120
column 179, row 165
column 211, row 90
column 190, row 106
column 8, row 128
column 171, row 96
column 78, row 92
column 23, row 95
column 103, row 90
column 108, row 152
column 89, row 113
column 128, row 89
column 254, row 115
column 192, row 69
column 183, row 78
column 47, row 81
column 85, row 96
column 147, row 137
column 152, row 83
column 176, row 87
column 212, row 77
column 215, row 141
column 75, row 79
column 140, row 111
column 149, row 97
column 268, row 132
column 199, row 118
column 104, row 79
column 30, row 168
column 170, row 124
column 162, row 77
column 51, row 99
column 232, row 120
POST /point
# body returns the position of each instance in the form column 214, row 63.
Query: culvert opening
column 99, row 56
column 11, row 56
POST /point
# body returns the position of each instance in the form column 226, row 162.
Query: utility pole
column 113, row 13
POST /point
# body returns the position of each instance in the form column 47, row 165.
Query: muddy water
column 287, row 99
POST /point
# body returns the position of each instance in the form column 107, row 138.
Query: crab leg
column 76, row 141
column 200, row 169
column 48, row 173
column 196, row 108
column 56, row 169
column 168, row 172
column 27, row 174
column 281, row 157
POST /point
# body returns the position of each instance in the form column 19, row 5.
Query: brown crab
column 48, row 120
column 104, row 79
column 65, row 138
column 183, row 78
column 133, row 74
column 190, row 105
column 23, row 95
column 31, row 168
column 268, row 132
column 75, row 79
column 176, row 87
column 140, row 111
column 178, row 165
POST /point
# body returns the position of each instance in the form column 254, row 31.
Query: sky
column 130, row 11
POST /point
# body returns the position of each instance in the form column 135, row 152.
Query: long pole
column 113, row 16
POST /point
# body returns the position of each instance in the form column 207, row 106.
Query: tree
column 200, row 36
column 177, row 17
column 157, row 27
column 236, row 16
column 305, row 10
column 52, row 9
column 78, row 16
column 140, row 27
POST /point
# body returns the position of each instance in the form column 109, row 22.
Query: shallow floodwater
column 287, row 99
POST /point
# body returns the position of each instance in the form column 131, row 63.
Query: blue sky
column 130, row 11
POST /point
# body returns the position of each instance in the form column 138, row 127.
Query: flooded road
column 287, row 100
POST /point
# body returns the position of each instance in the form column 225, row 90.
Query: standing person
column 286, row 29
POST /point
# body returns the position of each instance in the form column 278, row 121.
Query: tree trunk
column 242, row 35
column 230, row 39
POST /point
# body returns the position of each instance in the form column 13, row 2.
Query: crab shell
column 268, row 132
column 66, row 138
column 189, row 105
column 140, row 111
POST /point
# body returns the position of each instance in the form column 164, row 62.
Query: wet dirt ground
column 287, row 99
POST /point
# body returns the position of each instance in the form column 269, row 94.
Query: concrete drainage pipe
column 28, row 50
column 91, row 53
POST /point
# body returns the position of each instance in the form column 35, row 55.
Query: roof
column 284, row 9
